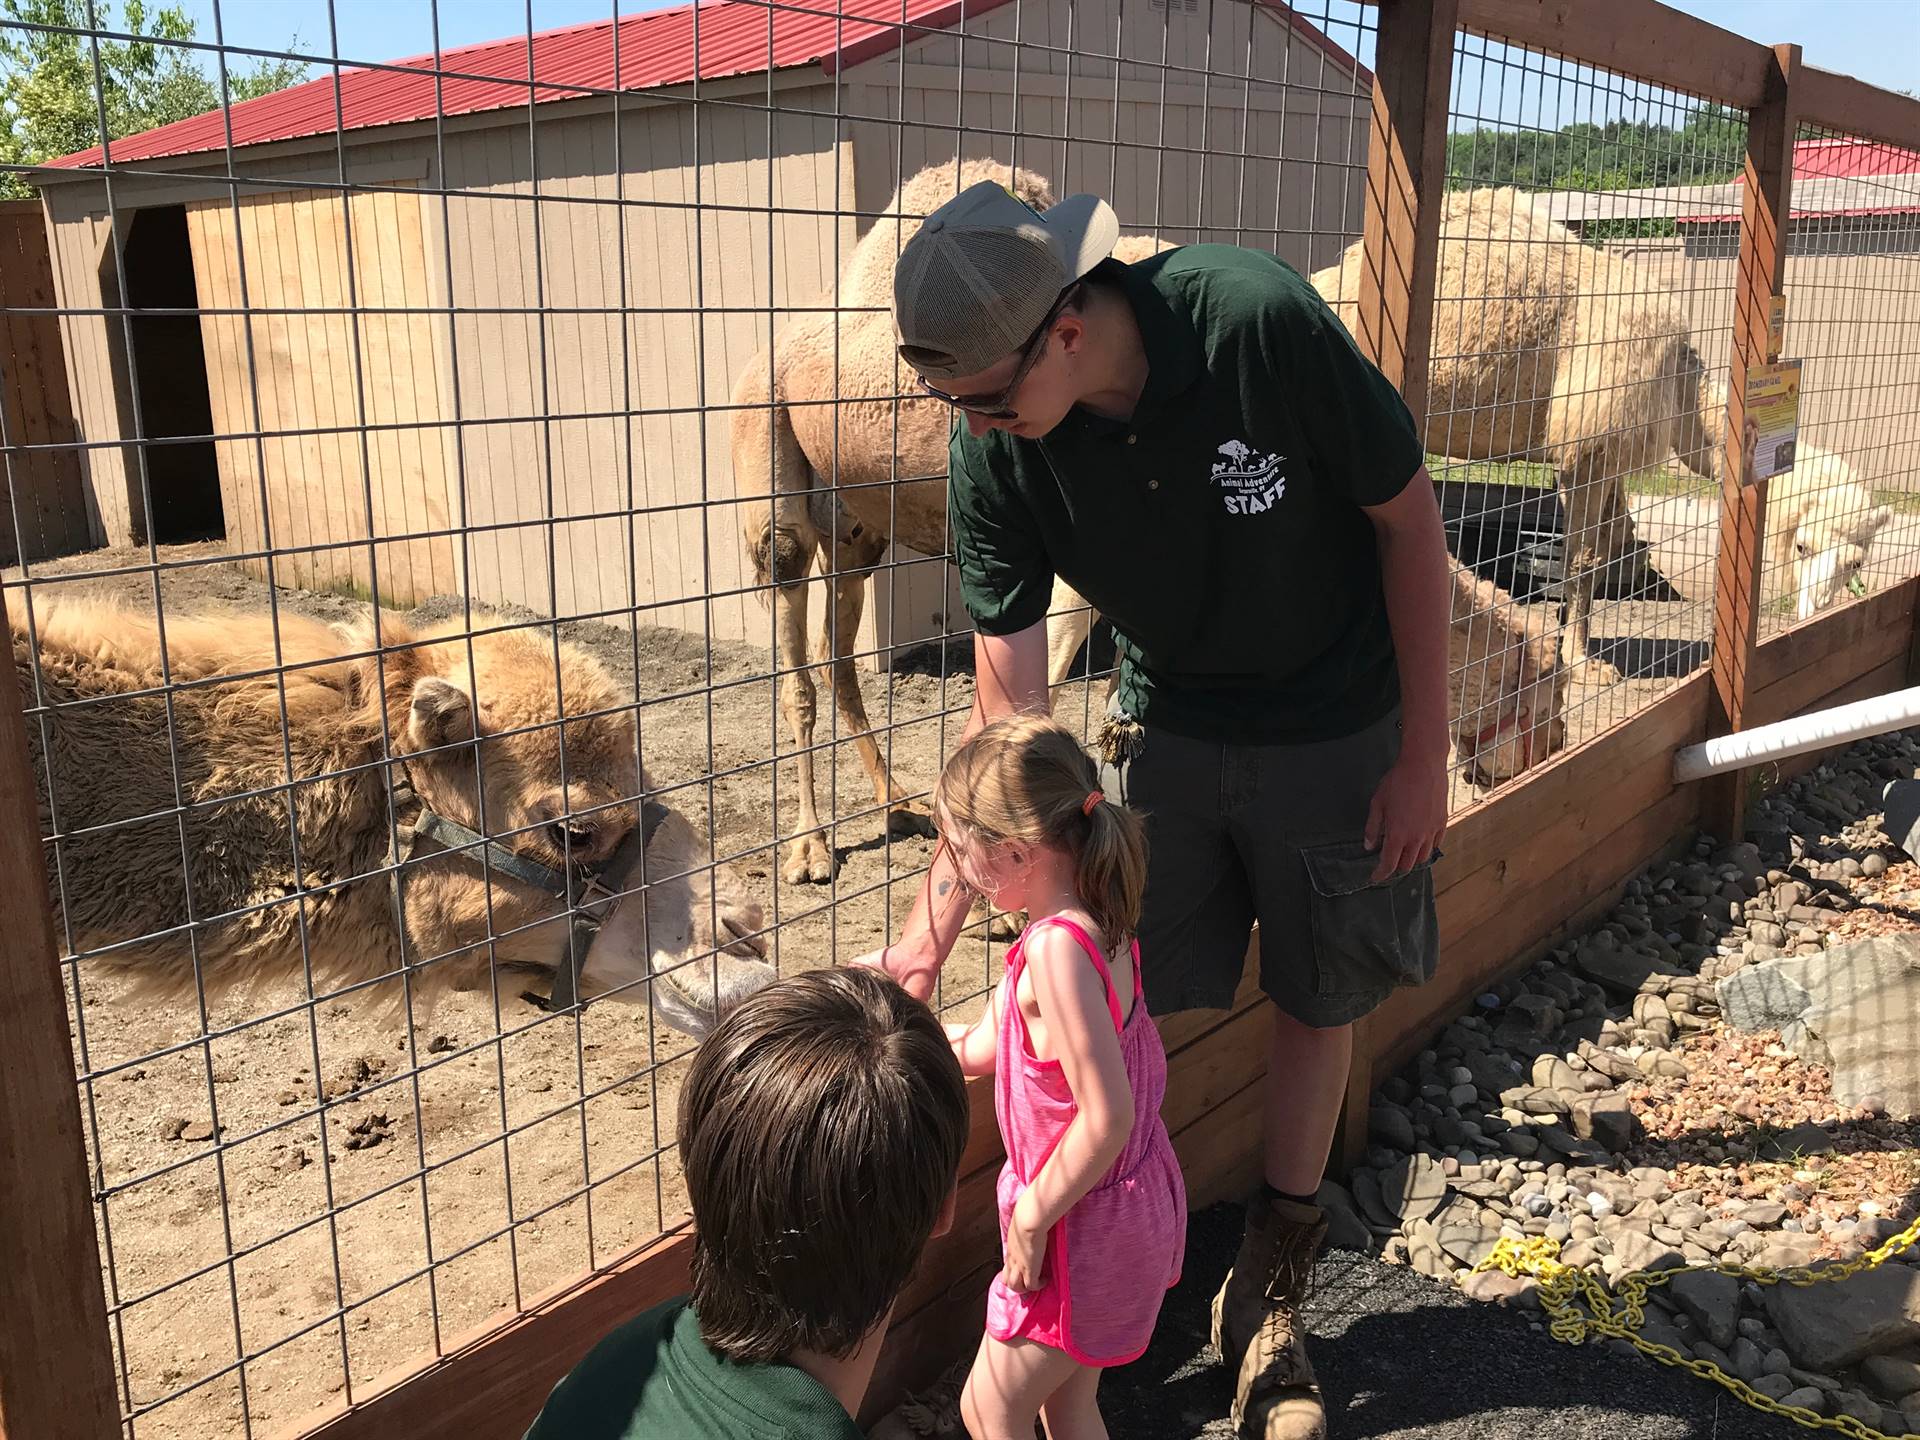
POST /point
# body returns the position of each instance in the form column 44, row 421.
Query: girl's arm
column 975, row 1045
column 1074, row 1004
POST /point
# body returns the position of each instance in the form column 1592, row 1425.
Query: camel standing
column 836, row 480
column 1547, row 348
column 831, row 479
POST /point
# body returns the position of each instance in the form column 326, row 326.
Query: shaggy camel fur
column 1820, row 521
column 112, row 764
column 1547, row 348
column 786, row 458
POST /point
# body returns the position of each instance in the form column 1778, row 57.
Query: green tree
column 1706, row 148
column 48, row 106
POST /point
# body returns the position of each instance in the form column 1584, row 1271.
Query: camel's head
column 510, row 740
column 1507, row 685
column 1830, row 550
column 535, row 748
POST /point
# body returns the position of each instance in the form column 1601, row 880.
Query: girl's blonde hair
column 1027, row 778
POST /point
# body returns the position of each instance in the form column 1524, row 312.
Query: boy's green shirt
column 655, row 1379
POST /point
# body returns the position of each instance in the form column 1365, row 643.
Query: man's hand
column 1408, row 815
column 915, row 973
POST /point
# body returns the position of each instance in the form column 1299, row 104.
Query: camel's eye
column 1802, row 549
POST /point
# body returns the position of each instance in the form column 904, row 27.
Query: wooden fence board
column 56, row 1365
column 1807, row 688
column 1759, row 274
column 1641, row 38
column 1836, row 632
column 1854, row 107
column 490, row 1385
column 43, row 507
column 1530, row 922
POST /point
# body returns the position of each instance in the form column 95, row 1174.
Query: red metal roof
column 1840, row 157
column 736, row 37
column 1820, row 168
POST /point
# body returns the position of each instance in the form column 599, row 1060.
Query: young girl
column 1092, row 1207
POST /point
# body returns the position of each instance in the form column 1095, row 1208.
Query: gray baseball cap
column 980, row 274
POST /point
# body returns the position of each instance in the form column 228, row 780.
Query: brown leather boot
column 1256, row 1325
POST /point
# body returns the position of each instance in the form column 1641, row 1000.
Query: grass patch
column 1901, row 502
column 1665, row 482
column 1537, row 476
column 1492, row 472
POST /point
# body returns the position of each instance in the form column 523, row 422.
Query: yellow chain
column 1620, row 1315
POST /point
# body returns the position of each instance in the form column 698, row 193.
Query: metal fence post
column 56, row 1362
column 1765, row 205
column 1406, row 178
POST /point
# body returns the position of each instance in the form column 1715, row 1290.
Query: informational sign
column 1773, row 420
column 1776, row 326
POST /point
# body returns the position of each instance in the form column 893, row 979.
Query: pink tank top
column 1112, row 1257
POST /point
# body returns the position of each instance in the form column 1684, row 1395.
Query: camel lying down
column 478, row 827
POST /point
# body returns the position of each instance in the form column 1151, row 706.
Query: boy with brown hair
column 821, row 1127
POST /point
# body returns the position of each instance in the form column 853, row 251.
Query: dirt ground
column 374, row 1188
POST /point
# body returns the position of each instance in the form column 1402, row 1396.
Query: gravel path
column 1402, row 1356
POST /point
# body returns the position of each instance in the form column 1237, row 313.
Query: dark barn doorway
column 170, row 365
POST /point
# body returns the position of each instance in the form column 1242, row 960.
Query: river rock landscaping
column 1602, row 1099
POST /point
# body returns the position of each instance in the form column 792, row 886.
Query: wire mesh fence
column 1842, row 517
column 520, row 569
column 432, row 416
column 1578, row 374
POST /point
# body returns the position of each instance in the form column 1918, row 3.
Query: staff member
column 1196, row 445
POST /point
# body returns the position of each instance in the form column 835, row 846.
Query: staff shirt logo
column 1249, row 482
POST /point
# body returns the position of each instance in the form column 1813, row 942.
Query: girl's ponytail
column 1112, row 874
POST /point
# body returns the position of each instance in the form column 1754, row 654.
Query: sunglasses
column 996, row 407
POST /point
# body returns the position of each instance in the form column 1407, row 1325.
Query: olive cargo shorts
column 1274, row 833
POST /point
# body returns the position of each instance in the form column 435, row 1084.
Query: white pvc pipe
column 1777, row 741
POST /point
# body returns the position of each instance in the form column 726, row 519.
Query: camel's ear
column 440, row 713
column 1877, row 519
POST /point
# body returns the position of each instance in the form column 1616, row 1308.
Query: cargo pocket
column 1368, row 937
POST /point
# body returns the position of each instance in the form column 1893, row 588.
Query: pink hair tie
column 1093, row 799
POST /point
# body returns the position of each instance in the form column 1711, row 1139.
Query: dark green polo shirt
column 655, row 1379
column 1219, row 529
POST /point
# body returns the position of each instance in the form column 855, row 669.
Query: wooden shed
column 423, row 370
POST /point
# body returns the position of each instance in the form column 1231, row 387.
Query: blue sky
column 1877, row 40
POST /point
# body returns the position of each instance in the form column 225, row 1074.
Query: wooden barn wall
column 336, row 498
column 1250, row 135
column 668, row 459
column 1283, row 167
column 43, row 508
column 80, row 224
column 80, row 237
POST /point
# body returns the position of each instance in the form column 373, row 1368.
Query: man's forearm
column 939, row 909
